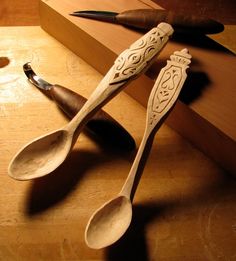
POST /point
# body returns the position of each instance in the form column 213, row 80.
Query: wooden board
column 208, row 121
column 184, row 208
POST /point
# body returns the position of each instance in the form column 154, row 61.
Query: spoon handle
column 128, row 65
column 161, row 101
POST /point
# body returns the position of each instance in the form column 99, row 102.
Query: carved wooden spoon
column 111, row 220
column 44, row 154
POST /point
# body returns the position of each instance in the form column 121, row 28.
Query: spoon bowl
column 111, row 220
column 40, row 156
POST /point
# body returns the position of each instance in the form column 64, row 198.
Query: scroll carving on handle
column 169, row 83
column 133, row 60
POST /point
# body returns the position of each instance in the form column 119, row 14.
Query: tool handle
column 69, row 101
column 101, row 124
column 149, row 18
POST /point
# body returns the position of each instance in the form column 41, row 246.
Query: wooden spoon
column 111, row 220
column 44, row 154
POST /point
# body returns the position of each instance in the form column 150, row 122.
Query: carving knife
column 148, row 18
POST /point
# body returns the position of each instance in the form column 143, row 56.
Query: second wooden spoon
column 111, row 220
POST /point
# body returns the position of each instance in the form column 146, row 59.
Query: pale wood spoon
column 111, row 221
column 44, row 154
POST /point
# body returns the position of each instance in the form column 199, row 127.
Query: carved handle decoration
column 133, row 60
column 168, row 85
column 118, row 76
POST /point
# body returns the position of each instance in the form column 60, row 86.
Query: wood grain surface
column 184, row 208
column 185, row 205
column 24, row 12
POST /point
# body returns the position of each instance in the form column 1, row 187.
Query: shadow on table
column 200, row 41
column 195, row 85
column 53, row 188
column 133, row 245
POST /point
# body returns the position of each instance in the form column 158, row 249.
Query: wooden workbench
column 184, row 208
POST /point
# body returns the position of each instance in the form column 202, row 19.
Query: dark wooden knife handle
column 102, row 124
column 149, row 18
